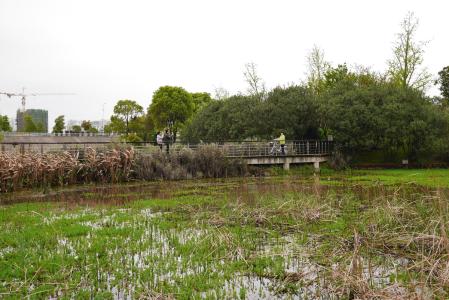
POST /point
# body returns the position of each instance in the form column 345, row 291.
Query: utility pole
column 102, row 118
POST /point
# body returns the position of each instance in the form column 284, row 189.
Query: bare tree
column 256, row 84
column 408, row 54
column 221, row 93
column 317, row 68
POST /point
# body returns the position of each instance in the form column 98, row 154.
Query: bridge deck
column 302, row 148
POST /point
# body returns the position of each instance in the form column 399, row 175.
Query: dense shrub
column 384, row 118
column 292, row 110
column 207, row 161
column 361, row 110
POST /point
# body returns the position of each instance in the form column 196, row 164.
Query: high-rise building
column 38, row 116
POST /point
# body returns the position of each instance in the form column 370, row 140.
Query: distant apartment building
column 38, row 116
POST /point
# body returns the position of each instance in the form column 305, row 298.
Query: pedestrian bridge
column 295, row 152
column 253, row 153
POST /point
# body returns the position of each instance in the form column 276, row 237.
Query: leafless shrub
column 207, row 161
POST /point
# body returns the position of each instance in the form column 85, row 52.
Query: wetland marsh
column 282, row 237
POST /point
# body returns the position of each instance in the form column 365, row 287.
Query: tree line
column 363, row 111
column 385, row 113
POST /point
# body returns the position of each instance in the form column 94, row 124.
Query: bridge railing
column 255, row 149
column 291, row 148
column 230, row 149
column 65, row 133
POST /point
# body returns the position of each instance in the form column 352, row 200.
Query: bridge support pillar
column 316, row 166
column 287, row 164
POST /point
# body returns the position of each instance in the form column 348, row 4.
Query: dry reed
column 32, row 170
column 35, row 170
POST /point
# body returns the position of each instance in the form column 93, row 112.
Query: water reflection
column 246, row 189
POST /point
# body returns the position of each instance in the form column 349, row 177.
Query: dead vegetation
column 35, row 170
column 207, row 161
column 31, row 170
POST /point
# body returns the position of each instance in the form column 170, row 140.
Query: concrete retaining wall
column 287, row 160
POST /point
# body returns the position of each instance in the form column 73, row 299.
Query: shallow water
column 146, row 253
column 244, row 189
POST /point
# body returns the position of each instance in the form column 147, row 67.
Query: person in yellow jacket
column 281, row 140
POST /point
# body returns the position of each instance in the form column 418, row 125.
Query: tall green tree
column 4, row 124
column 59, row 124
column 138, row 126
column 171, row 106
column 86, row 125
column 76, row 128
column 406, row 66
column 127, row 110
column 116, row 124
column 200, row 100
column 443, row 81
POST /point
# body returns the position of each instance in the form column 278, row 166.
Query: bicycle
column 276, row 148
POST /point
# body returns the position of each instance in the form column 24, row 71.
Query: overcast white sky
column 106, row 50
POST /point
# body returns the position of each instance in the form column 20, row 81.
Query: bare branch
column 317, row 67
column 408, row 55
column 256, row 84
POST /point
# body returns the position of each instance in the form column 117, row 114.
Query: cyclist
column 281, row 140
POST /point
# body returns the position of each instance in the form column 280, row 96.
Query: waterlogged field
column 287, row 237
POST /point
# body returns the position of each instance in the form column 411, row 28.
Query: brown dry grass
column 207, row 161
column 31, row 170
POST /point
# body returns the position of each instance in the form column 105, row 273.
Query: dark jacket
column 166, row 139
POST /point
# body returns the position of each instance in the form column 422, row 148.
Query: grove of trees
column 363, row 111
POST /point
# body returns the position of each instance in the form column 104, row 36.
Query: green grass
column 425, row 177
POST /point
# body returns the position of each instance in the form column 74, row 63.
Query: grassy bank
column 425, row 177
column 283, row 237
column 434, row 178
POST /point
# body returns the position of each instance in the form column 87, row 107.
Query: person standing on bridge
column 167, row 140
column 281, row 140
column 159, row 141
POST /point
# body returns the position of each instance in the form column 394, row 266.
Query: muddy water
column 247, row 190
